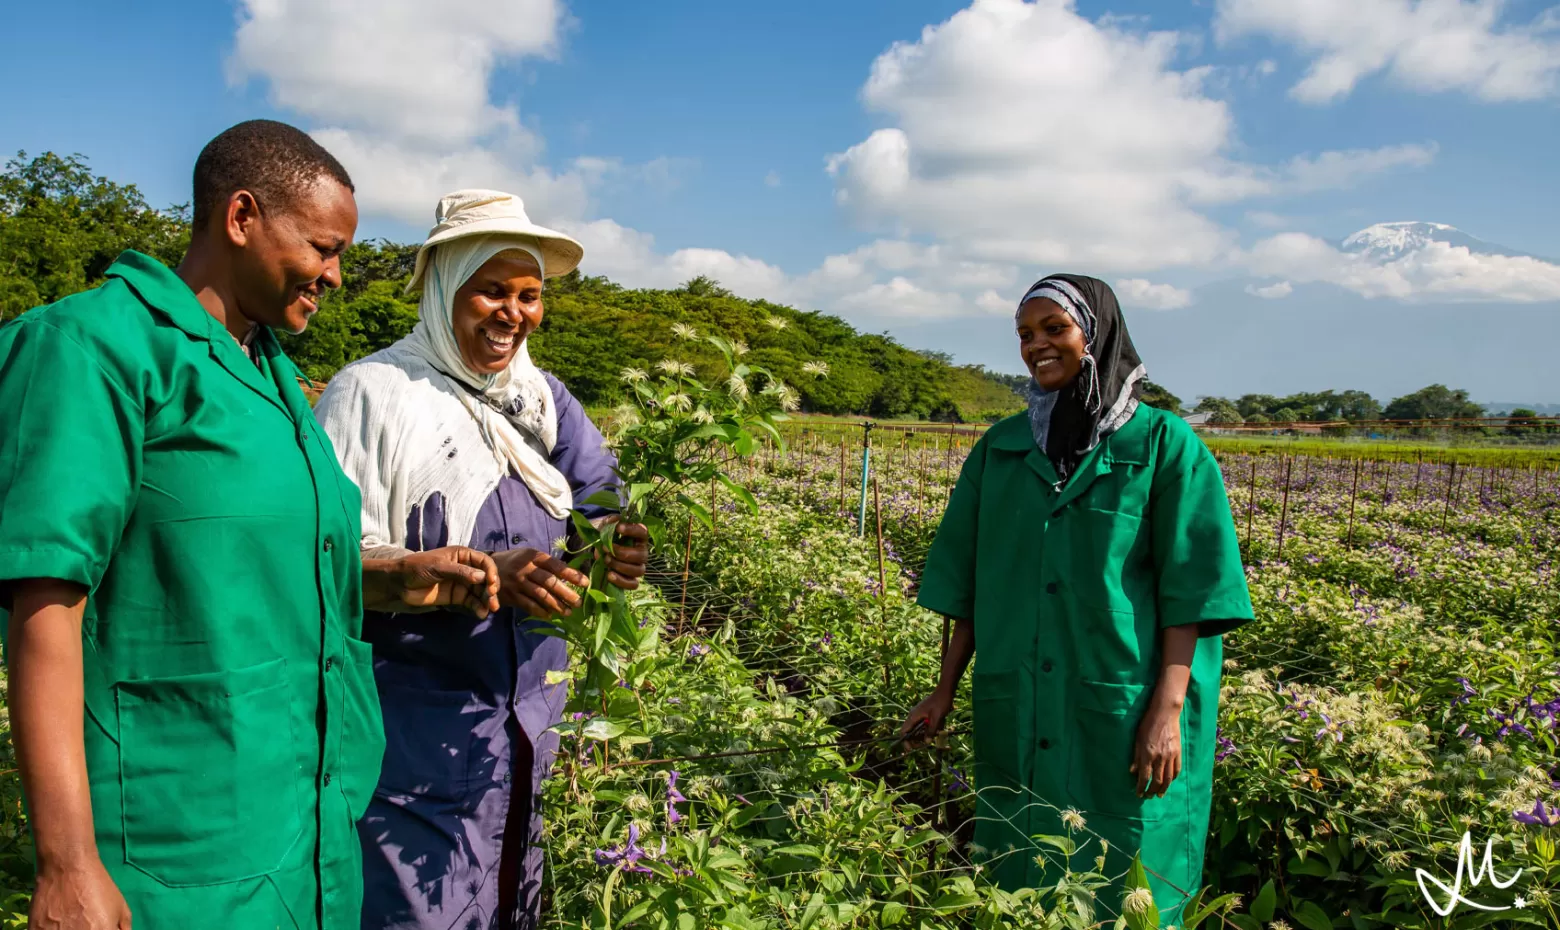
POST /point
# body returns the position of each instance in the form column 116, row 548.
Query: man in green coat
column 1089, row 554
column 193, row 708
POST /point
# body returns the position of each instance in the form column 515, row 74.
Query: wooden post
column 877, row 509
column 1251, row 501
column 842, row 474
column 1451, row 477
column 1283, row 514
column 1354, row 494
column 682, row 607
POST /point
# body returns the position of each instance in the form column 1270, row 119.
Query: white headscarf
column 514, row 408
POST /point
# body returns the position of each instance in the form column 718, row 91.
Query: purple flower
column 1468, row 691
column 1226, row 746
column 957, row 783
column 1539, row 816
column 698, row 649
column 673, row 796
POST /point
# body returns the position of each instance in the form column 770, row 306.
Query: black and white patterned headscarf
column 1070, row 422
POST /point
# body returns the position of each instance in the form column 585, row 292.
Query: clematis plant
column 675, row 435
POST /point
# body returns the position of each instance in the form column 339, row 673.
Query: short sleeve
column 1198, row 573
column 948, row 580
column 581, row 452
column 69, row 457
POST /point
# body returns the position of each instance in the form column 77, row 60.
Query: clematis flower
column 673, row 796
column 1539, row 816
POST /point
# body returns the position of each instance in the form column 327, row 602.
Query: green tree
column 1221, row 410
column 1436, row 402
column 1522, row 421
column 61, row 226
column 1157, row 395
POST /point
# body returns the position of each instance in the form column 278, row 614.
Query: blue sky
column 796, row 152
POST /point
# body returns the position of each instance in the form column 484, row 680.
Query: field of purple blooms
column 1398, row 691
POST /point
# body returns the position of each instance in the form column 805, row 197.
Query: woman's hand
column 77, row 897
column 1157, row 756
column 455, row 576
column 538, row 583
column 630, row 554
column 929, row 716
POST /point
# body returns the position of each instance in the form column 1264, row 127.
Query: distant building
column 1197, row 419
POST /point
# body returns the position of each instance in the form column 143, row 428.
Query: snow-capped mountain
column 1386, row 242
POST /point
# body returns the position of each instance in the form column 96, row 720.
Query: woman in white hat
column 454, row 435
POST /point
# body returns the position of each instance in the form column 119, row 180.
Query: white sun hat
column 482, row 212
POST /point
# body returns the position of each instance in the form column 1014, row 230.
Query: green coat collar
column 1128, row 446
column 162, row 290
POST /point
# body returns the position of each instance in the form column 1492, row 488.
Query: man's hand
column 1157, row 756
column 630, row 554
column 454, row 576
column 77, row 897
column 538, row 583
column 928, row 716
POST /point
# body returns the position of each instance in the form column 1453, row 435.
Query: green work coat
column 1068, row 591
column 232, row 727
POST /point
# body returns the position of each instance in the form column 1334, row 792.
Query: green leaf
column 604, row 498
column 1267, row 899
column 745, row 444
column 699, row 511
column 893, row 914
column 813, row 912
column 742, row 494
column 1137, row 878
column 602, row 729
column 1206, row 911
column 556, row 676
column 747, row 814
column 1313, row 867
column 1310, row 915
column 1244, row 921
column 800, row 850
column 952, row 903
column 603, row 626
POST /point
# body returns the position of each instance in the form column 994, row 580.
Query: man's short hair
column 273, row 161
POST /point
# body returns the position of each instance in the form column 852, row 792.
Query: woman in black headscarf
column 1088, row 551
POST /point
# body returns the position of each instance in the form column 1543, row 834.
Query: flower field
column 1398, row 689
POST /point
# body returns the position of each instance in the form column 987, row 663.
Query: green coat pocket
column 1003, row 732
column 208, row 772
column 1099, row 776
column 363, row 729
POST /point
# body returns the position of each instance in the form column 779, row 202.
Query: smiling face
column 496, row 309
column 289, row 256
column 1051, row 344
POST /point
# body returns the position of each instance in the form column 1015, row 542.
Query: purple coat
column 467, row 709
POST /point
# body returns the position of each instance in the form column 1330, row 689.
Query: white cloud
column 1272, row 291
column 1333, row 170
column 1267, row 219
column 1431, row 45
column 772, row 179
column 629, row 257
column 1137, row 293
column 1023, row 132
column 405, row 69
column 405, row 182
column 1437, row 272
